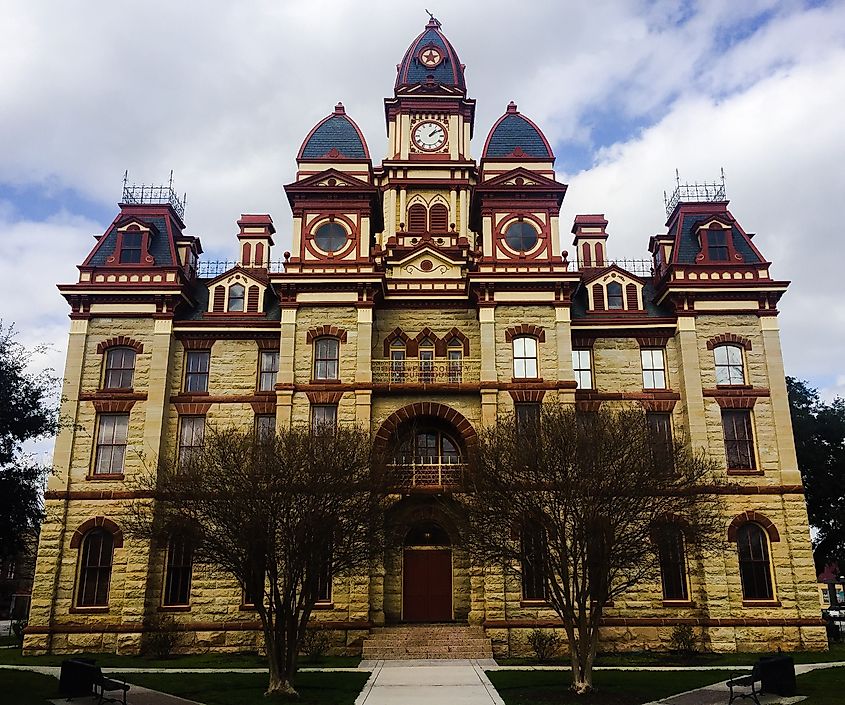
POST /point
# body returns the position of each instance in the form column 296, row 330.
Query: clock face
column 429, row 136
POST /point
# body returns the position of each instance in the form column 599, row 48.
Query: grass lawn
column 209, row 660
column 612, row 687
column 661, row 658
column 248, row 688
column 25, row 688
column 824, row 686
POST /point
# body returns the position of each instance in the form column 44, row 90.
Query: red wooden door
column 427, row 586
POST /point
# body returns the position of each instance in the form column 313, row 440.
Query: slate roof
column 514, row 132
column 159, row 245
column 580, row 303
column 199, row 293
column 449, row 72
column 335, row 132
column 688, row 245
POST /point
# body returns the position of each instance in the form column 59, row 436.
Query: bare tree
column 278, row 512
column 581, row 505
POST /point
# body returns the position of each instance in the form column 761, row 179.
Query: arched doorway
column 427, row 574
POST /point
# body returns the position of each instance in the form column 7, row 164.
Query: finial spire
column 432, row 20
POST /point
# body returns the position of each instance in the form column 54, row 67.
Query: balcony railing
column 427, row 473
column 414, row 371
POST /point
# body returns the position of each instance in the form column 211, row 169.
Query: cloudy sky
column 224, row 92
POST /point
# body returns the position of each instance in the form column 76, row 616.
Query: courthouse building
column 423, row 295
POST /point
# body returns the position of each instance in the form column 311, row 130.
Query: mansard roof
column 449, row 71
column 690, row 217
column 164, row 228
column 336, row 137
column 514, row 135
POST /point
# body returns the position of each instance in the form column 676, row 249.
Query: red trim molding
column 138, row 628
column 113, row 406
column 267, row 343
column 750, row 516
column 728, row 339
column 523, row 396
column 264, row 408
column 663, row 622
column 736, row 402
column 197, row 343
column 120, row 341
column 96, row 523
column 324, row 397
column 659, row 405
column 188, row 408
column 425, row 408
column 525, row 329
column 653, row 341
column 326, row 331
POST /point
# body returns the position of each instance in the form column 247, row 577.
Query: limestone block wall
column 538, row 315
column 439, row 320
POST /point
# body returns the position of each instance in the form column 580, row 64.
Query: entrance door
column 427, row 585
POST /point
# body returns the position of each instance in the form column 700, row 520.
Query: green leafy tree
column 27, row 412
column 819, row 430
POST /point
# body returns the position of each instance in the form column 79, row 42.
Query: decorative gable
column 237, row 293
column 426, row 263
column 614, row 290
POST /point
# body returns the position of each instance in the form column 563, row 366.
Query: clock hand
column 432, row 133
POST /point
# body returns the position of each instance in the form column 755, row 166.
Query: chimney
column 590, row 240
column 255, row 240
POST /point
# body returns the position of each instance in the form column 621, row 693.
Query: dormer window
column 717, row 245
column 237, row 294
column 615, row 301
column 130, row 250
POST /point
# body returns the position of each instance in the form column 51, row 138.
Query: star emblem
column 430, row 57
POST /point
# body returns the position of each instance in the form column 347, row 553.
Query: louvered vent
column 598, row 297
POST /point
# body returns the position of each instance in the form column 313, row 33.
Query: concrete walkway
column 452, row 681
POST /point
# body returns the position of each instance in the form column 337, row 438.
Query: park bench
column 83, row 677
column 744, row 681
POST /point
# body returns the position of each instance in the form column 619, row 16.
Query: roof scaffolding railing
column 705, row 192
column 135, row 195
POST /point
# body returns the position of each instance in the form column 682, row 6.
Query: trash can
column 75, row 678
column 777, row 675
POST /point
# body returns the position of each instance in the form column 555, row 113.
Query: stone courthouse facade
column 422, row 296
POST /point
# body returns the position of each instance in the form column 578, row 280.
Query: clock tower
column 428, row 173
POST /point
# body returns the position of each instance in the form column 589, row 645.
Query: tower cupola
column 431, row 60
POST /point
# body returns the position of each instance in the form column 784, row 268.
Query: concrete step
column 429, row 641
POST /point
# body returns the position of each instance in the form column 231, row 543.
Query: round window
column 330, row 237
column 521, row 236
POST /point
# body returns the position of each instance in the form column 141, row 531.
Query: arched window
column 533, row 563
column 438, row 216
column 673, row 562
column 236, row 297
column 752, row 545
column 397, row 361
column 326, row 357
column 120, row 368
column 177, row 578
column 614, row 297
column 525, row 357
column 729, row 365
column 95, row 569
column 426, row 355
column 428, row 446
column 417, row 218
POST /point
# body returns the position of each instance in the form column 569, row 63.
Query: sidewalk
column 455, row 682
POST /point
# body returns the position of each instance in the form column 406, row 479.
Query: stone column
column 51, row 541
column 158, row 390
column 563, row 336
column 489, row 375
column 285, row 377
column 691, row 392
column 364, row 366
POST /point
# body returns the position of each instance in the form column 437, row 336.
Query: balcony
column 423, row 372
column 429, row 473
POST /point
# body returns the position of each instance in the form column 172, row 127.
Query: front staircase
column 427, row 641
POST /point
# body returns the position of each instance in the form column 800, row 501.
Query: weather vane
column 430, row 14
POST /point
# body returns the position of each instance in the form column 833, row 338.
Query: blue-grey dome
column 335, row 137
column 431, row 57
column 514, row 135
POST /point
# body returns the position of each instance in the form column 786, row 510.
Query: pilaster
column 691, row 391
column 159, row 384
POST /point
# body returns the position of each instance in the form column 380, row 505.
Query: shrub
column 683, row 640
column 315, row 644
column 544, row 644
column 161, row 635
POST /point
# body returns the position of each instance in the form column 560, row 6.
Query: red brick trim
column 522, row 396
column 113, row 406
column 425, row 408
column 197, row 343
column 396, row 334
column 267, row 343
column 264, row 407
column 661, row 405
column 653, row 341
column 324, row 397
column 95, row 523
column 728, row 339
column 736, row 402
column 757, row 518
column 447, row 338
column 105, row 495
column 587, row 405
column 757, row 489
column 326, row 331
column 187, row 408
column 119, row 341
column 582, row 342
column 525, row 329
column 112, row 395
column 663, row 622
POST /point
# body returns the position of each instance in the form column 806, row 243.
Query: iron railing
column 426, row 473
column 705, row 192
column 134, row 194
column 414, row 371
column 639, row 267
